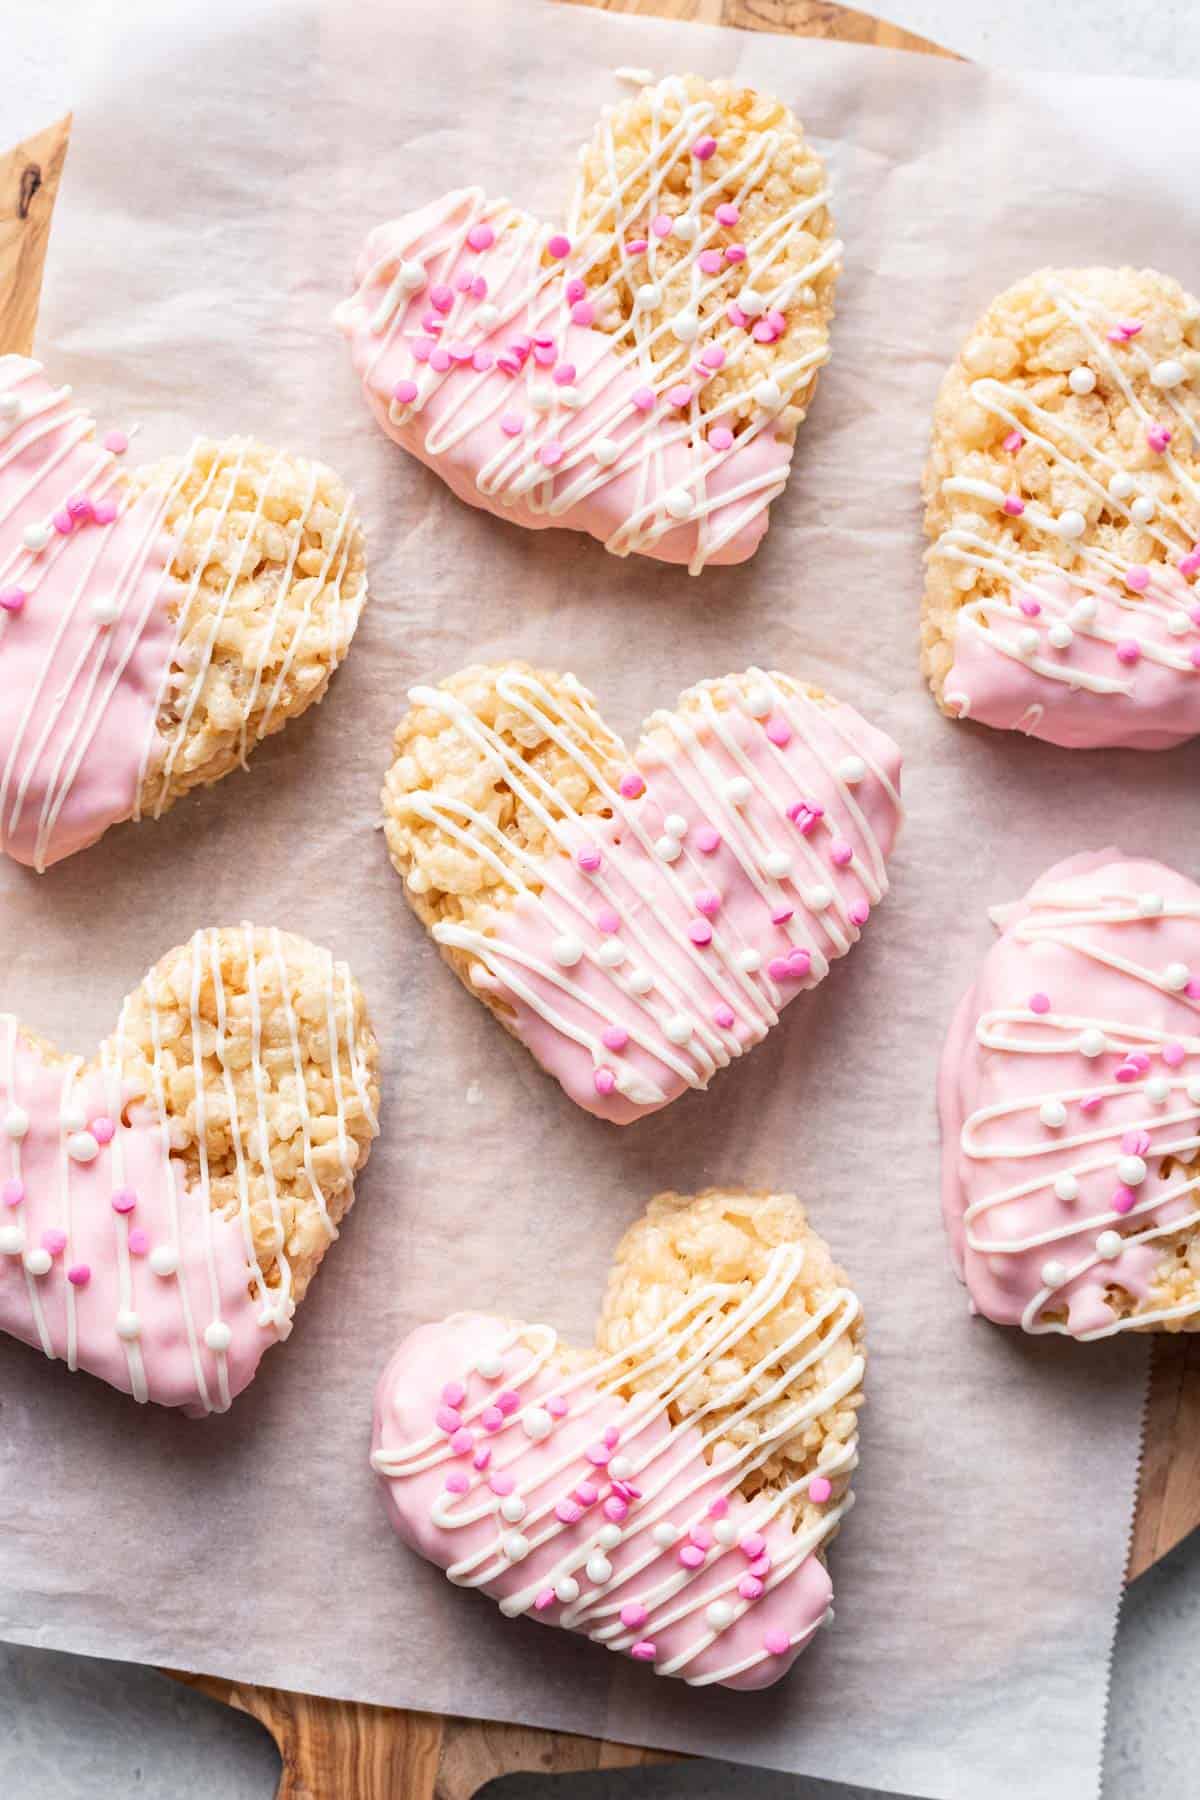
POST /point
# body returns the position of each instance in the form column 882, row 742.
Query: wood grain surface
column 339, row 1750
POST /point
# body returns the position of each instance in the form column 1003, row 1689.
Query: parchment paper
column 223, row 171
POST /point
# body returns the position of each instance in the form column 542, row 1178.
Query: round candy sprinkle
column 12, row 1240
column 644, row 1651
column 691, row 1556
column 405, row 392
column 54, row 1240
column 1053, row 1274
column 481, row 236
column 13, row 1192
column 566, row 950
column 1039, row 1002
column 12, row 599
column 1053, row 1114
column 559, row 246
column 79, row 1274
column 124, row 1200
column 750, row 1587
column 632, row 786
column 512, row 1508
column 703, row 148
column 819, row 1489
column 163, row 1260
column 16, row 1122
column 719, row 1615
column 634, row 1615
column 1109, row 1245
column 536, row 1423
column 777, row 1643
column 700, row 931
column 1066, row 1187
column 38, row 1262
column 604, row 1081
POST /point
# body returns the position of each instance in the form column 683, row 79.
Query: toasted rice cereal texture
column 1026, row 341
column 285, row 967
column 448, row 880
column 682, row 1244
column 794, row 176
column 281, row 584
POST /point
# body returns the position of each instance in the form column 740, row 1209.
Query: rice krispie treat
column 1070, row 1102
column 155, row 626
column 671, row 1492
column 164, row 1207
column 1063, row 504
column 638, row 375
column 638, row 921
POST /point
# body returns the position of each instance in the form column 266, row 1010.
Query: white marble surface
column 77, row 1729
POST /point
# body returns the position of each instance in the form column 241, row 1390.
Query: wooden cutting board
column 338, row 1750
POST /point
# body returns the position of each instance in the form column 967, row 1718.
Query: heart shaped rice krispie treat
column 1063, row 504
column 672, row 1492
column 639, row 921
column 1070, row 1100
column 639, row 375
column 152, row 627
column 164, row 1207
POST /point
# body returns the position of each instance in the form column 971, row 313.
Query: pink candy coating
column 1014, row 505
column 614, row 1037
column 860, row 912
column 708, row 901
column 481, row 237
column 564, row 374
column 1128, row 650
column 79, row 1274
column 556, row 1406
column 559, row 245
column 777, row 1643
column 462, row 1441
column 512, row 424
column 643, row 398
column 501, row 1484
column 568, row 1511
column 720, row 437
column 750, row 1587
column 662, row 225
column 727, row 213
column 454, row 1393
column 1138, row 578
column 703, row 148
column 583, row 312
column 54, row 1240
column 491, row 1418
column 616, row 1509
column 735, row 253
column 710, row 261
column 576, row 289
column 707, row 840
column 124, row 1200
column 447, row 1419
column 598, row 1454
column 1039, row 1002
column 13, row 1192
column 700, row 931
column 12, row 599
column 139, row 1241
column 116, row 442
column 457, row 1482
column 719, row 1507
column 508, row 1401
column 752, row 1545
column 589, row 858
column 645, row 1651
column 819, row 1489
column 440, row 360
column 634, row 1615
column 544, row 1599
column 551, row 454
column 841, row 853
column 725, row 1017
column 441, row 297
column 778, row 730
column 1124, row 1199
column 632, row 785
column 1029, row 606
column 712, row 356
column 679, row 395
column 604, row 1079
column 608, row 919
column 405, row 392
column 691, row 1556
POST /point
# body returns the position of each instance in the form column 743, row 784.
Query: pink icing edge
column 406, row 1397
column 601, row 513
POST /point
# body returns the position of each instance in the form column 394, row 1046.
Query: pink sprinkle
column 1139, row 1059
column 819, row 1489
column 1090, row 1102
column 139, row 1241
column 583, row 312
column 551, row 453
column 735, row 253
column 454, row 1393
column 750, row 1587
column 462, row 281
column 701, row 1535
column 432, row 323
column 512, row 424
column 1124, row 330
column 447, row 1419
column 481, row 237
column 545, row 1598
column 564, row 374
column 441, row 297
column 491, row 1418
column 691, row 1556
column 860, row 912
column 735, row 315
column 508, row 1401
column 608, row 919
column 799, row 963
column 778, row 730
column 752, row 1545
column 508, row 363
column 635, row 246
column 703, row 148
column 632, row 785
column 576, row 289
column 501, row 1484
column 761, row 1567
column 1137, row 578
column 422, row 350
column 64, row 524
column 598, row 1454
column 782, row 914
column 841, row 853
column 725, row 1017
column 1158, row 437
column 711, row 261
column 1014, row 505
column 727, row 213
column 405, row 392
column 777, row 1643
column 522, row 344
column 1128, row 650
column 1192, row 990
column 777, row 319
column 614, row 1037
column 440, row 360
column 457, row 1482
column 1127, row 1072
column 645, row 1651
column 1190, row 564
column 616, row 1508
column 662, row 225
column 479, row 288
column 1136, row 1143
column 719, row 1507
column 544, row 355
column 462, row 1441
column 12, row 599
column 700, row 931
column 712, row 356
column 707, row 840
column 764, row 332
column 680, row 395
column 1013, row 442
column 1123, row 1199
column 1039, row 1002
column 804, row 816
column 604, row 1080
column 708, row 901
column 559, row 245
column 482, row 1457
column 1194, row 657
column 483, row 360
column 104, row 512
column 589, row 858
column 569, row 1511
column 720, row 437
column 643, row 398
column 1029, row 606
column 556, row 1406
column 13, row 1192
column 779, row 969
column 587, row 1493
column 634, row 1615
column 116, row 442
column 612, row 1436
column 79, row 507
column 54, row 1240
column 124, row 1200
column 1173, row 1055
column 626, row 1489
column 102, row 1129
column 79, row 1274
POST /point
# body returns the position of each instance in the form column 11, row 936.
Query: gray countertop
column 79, row 1729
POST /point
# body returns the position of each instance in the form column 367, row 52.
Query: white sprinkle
column 515, row 1546
column 1092, row 1042
column 512, row 1509
column 12, row 1240
column 1168, row 374
column 1143, row 509
column 751, row 302
column 217, row 1335
column 1150, row 905
column 599, row 1569
column 73, row 1117
column 1081, row 380
column 1061, row 635
column 1176, row 976
column 1158, row 1089
column 566, row 950
column 1053, row 1274
column 566, row 1590
column 411, row 277
column 738, row 790
column 769, row 395
column 1131, row 1170
column 82, row 1147
column 686, row 229
column 1109, row 1245
column 777, row 863
column 648, row 296
column 686, row 327
column 611, row 952
column 490, row 1366
column 620, row 1468
column 725, row 1532
column 759, row 702
column 10, row 406
column 852, row 769
column 675, row 825
column 678, row 503
column 129, row 1326
column 38, row 1261
column 605, row 451
column 719, row 1615
column 665, row 1534
column 1028, row 641
column 668, row 848
column 1178, row 624
column 163, row 1260
column 678, row 1029
column 818, row 898
column 16, row 1122
column 35, row 537
column 1071, row 523
column 1053, row 1113
column 748, row 961
column 639, row 78
column 1067, row 1188
column 608, row 1537
column 1121, row 485
column 486, row 315
column 105, row 609
column 1083, row 611
column 541, row 396
column 536, row 1423
column 639, row 981
column 570, row 397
